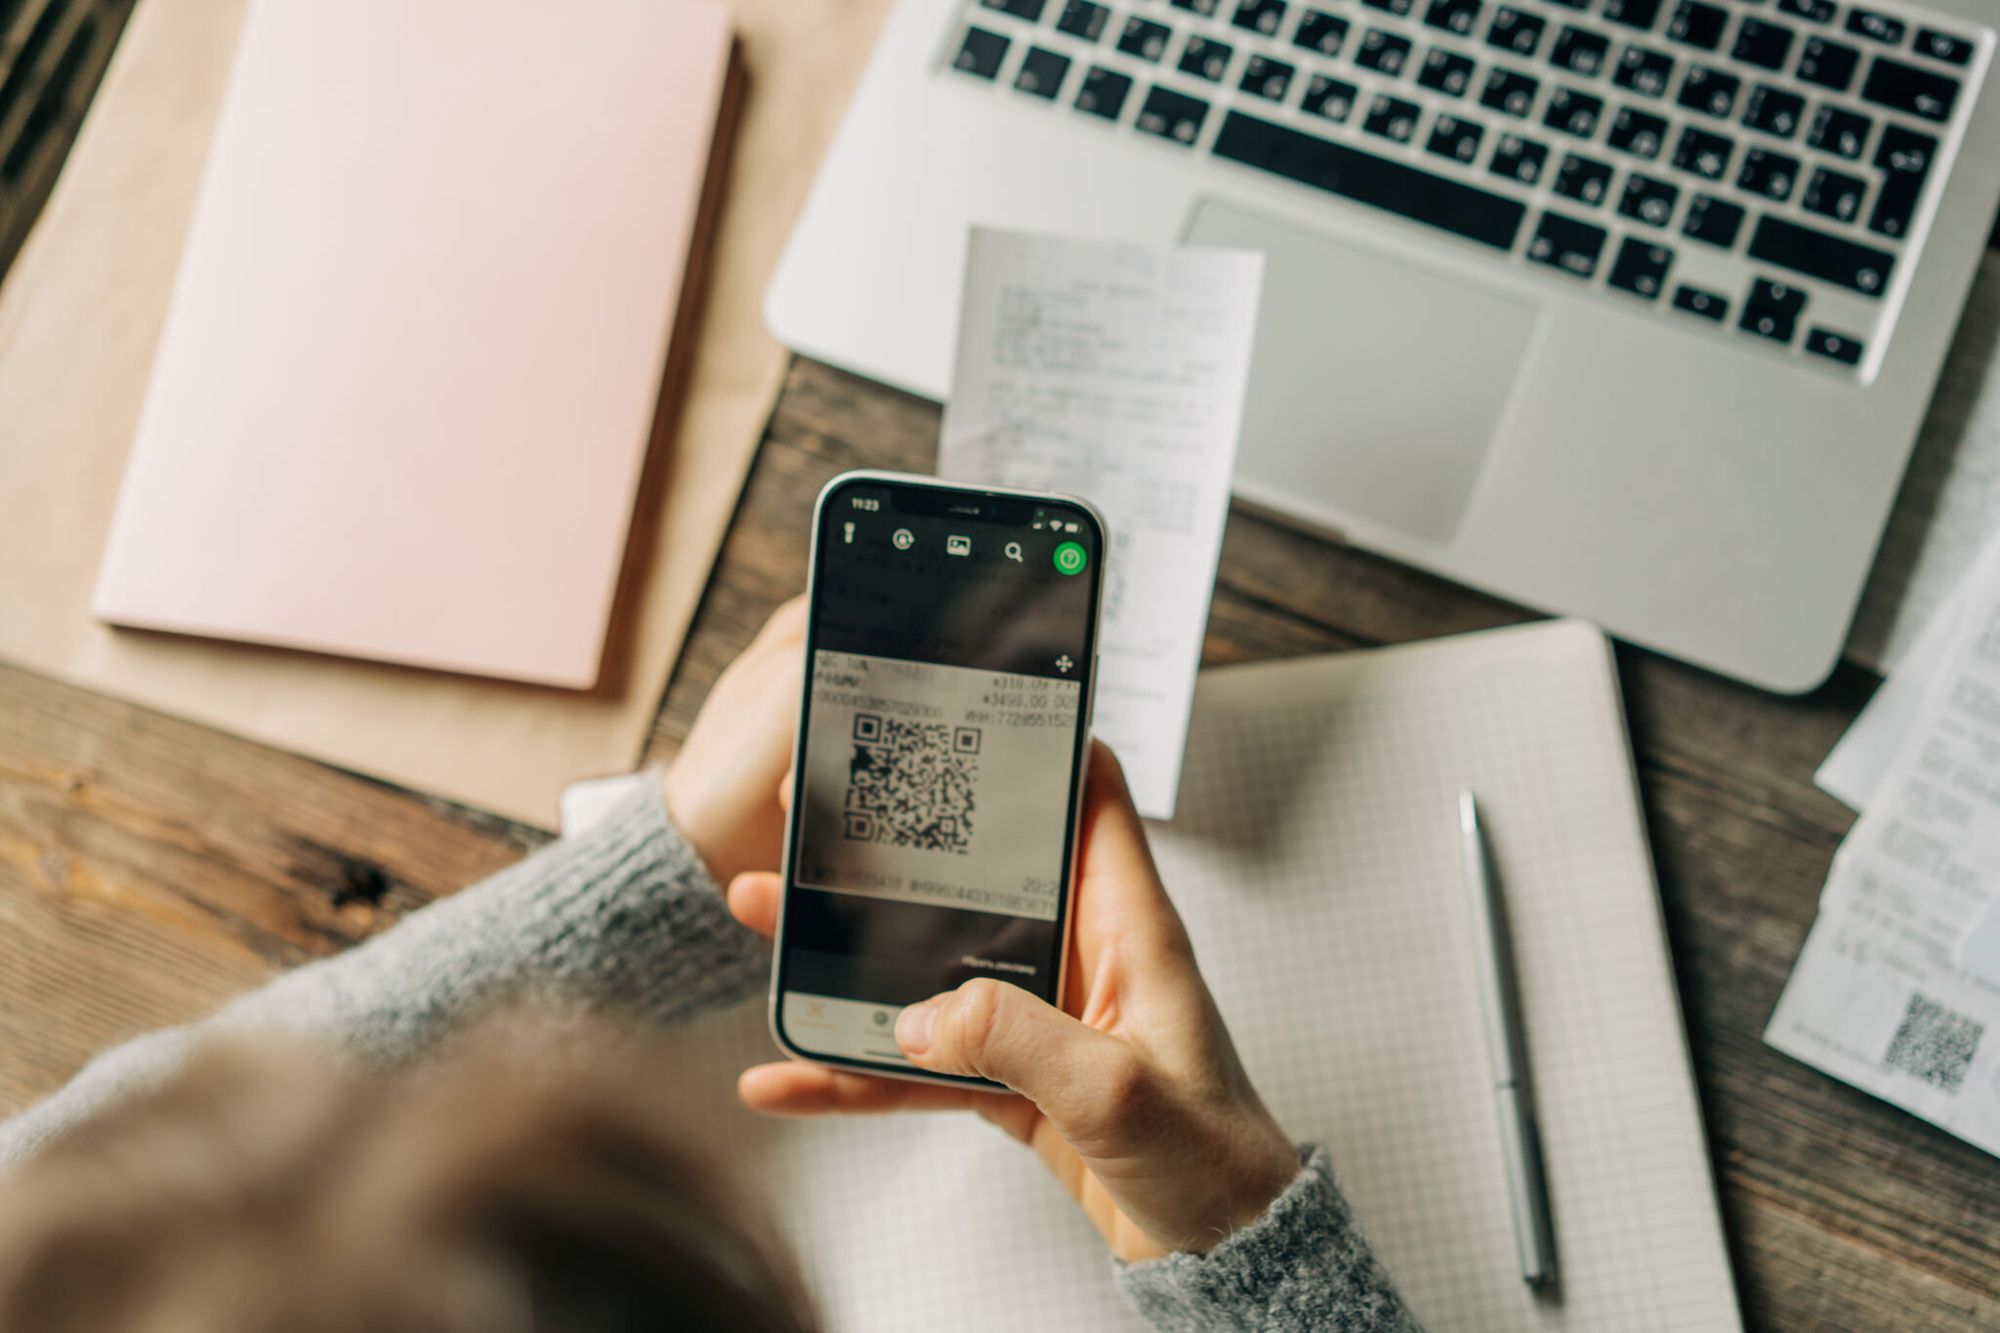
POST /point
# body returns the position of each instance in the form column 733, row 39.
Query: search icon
column 1014, row 552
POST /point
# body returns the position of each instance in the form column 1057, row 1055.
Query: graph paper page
column 1315, row 858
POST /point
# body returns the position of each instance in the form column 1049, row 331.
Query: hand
column 1131, row 1094
column 722, row 790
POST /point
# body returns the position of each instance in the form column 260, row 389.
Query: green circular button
column 1070, row 558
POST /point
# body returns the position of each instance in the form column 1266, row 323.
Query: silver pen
column 1506, row 1044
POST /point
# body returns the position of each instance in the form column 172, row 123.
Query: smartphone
column 951, row 650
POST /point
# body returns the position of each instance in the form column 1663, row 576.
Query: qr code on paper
column 910, row 784
column 1934, row 1044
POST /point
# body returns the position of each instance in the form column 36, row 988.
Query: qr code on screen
column 1934, row 1044
column 911, row 784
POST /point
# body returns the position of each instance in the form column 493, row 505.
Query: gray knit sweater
column 625, row 916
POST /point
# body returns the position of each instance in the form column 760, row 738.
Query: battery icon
column 1069, row 527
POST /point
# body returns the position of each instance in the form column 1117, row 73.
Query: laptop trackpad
column 1375, row 387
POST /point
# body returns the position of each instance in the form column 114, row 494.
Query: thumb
column 994, row 1030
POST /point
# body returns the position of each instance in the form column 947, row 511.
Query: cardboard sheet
column 80, row 314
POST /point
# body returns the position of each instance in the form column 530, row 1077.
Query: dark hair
column 267, row 1189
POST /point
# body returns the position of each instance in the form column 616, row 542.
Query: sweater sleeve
column 1303, row 1264
column 622, row 916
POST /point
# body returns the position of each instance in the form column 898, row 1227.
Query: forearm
column 1303, row 1264
column 622, row 917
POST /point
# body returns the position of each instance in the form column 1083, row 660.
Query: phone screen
column 950, row 650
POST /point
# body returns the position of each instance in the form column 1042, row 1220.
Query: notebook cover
column 401, row 403
column 1315, row 859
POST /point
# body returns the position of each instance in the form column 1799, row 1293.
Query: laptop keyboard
column 1761, row 169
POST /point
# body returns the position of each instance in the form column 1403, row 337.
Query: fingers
column 785, row 624
column 990, row 1029
column 1119, row 884
column 790, row 1088
column 754, row 898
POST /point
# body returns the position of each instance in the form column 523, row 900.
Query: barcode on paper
column 1934, row 1043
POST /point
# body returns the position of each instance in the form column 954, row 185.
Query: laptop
column 1625, row 309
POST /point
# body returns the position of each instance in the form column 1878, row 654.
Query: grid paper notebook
column 1316, row 861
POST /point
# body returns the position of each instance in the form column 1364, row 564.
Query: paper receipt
column 1116, row 372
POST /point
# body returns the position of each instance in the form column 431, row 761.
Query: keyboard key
column 1206, row 58
column 1650, row 201
column 1267, row 78
column 1901, row 87
column 1641, row 268
column 1905, row 158
column 1509, row 91
column 1042, row 73
column 1638, row 133
column 1834, row 194
column 1643, row 71
column 1943, row 46
column 1834, row 346
column 1027, row 10
column 1567, row 244
column 1322, row 32
column 1461, row 209
column 1695, row 301
column 1877, row 27
column 1205, row 8
column 1583, row 179
column 1082, row 19
column 1572, row 4
column 1839, row 132
column 1383, row 52
column 1709, row 91
column 1446, row 71
column 1815, row 11
column 981, row 53
column 1713, row 221
column 1818, row 254
column 1632, row 13
column 1515, row 31
column 1573, row 112
column 1828, row 64
column 1262, row 16
column 1171, row 115
column 1455, row 138
column 1697, row 24
column 1399, row 8
column 1144, row 38
column 1772, row 310
column 1459, row 16
column 1518, row 158
column 1330, row 98
column 1392, row 118
column 1774, row 111
column 1104, row 92
column 1581, row 52
column 1769, row 174
column 1703, row 153
column 1763, row 44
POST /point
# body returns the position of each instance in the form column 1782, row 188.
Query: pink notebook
column 401, row 404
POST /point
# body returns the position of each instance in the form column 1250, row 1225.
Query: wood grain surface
column 150, row 868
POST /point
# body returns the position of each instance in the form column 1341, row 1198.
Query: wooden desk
column 150, row 868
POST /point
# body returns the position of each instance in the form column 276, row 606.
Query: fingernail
column 913, row 1028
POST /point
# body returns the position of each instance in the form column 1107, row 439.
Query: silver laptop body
column 1627, row 309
